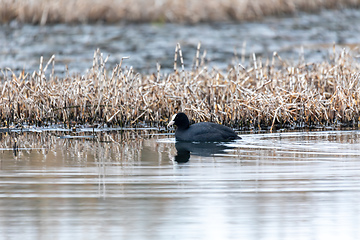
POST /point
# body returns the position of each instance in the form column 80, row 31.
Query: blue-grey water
column 308, row 37
column 140, row 184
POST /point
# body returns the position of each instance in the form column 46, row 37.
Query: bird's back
column 206, row 132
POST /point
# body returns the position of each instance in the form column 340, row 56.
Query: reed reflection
column 84, row 147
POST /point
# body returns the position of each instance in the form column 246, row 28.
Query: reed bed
column 191, row 11
column 267, row 94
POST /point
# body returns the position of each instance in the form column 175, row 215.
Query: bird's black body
column 201, row 132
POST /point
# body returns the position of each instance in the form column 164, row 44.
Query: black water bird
column 200, row 132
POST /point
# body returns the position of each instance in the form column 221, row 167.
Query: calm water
column 302, row 185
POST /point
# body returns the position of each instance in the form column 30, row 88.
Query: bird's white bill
column 172, row 121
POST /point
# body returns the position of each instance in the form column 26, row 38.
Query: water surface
column 300, row 185
column 148, row 44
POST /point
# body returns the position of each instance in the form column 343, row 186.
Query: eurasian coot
column 200, row 132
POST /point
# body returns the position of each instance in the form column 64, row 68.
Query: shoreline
column 266, row 95
column 82, row 11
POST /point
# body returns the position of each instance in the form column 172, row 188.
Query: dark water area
column 148, row 44
column 129, row 185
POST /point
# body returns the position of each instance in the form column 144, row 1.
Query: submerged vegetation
column 191, row 11
column 267, row 94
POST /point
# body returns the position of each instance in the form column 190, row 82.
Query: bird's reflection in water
column 185, row 149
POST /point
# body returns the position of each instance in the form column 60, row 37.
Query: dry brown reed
column 55, row 11
column 259, row 96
